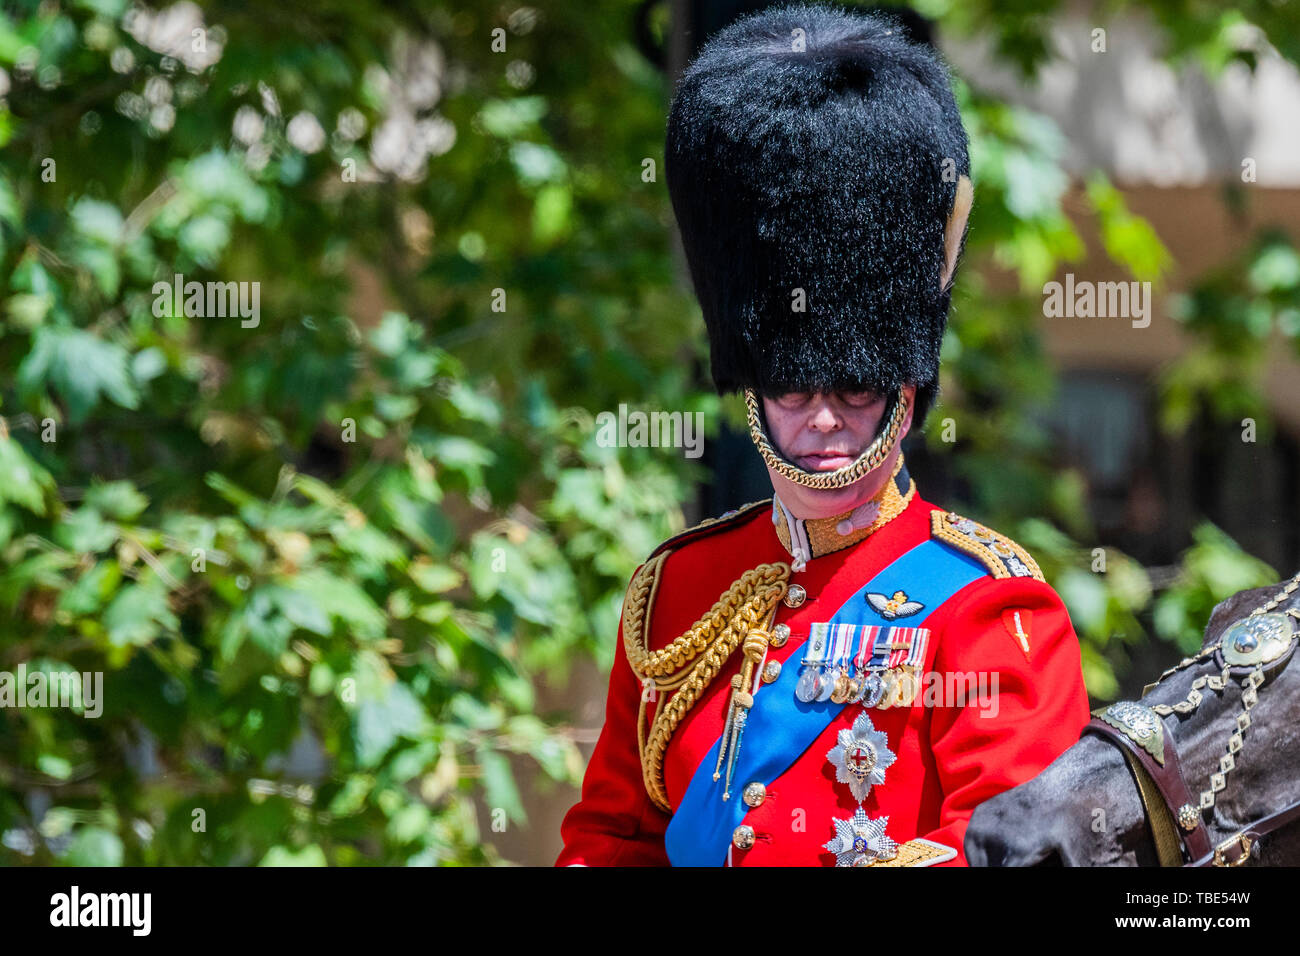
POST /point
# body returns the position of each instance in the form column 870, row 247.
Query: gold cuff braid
column 689, row 664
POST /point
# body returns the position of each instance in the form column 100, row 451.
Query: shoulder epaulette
column 712, row 526
column 1002, row 556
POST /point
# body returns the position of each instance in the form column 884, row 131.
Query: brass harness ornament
column 1262, row 637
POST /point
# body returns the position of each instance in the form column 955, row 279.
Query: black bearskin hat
column 814, row 148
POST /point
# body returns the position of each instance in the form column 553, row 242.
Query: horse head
column 1085, row 809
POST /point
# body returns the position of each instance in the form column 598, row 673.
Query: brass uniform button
column 742, row 838
column 754, row 793
column 795, row 596
column 771, row 671
column 780, row 634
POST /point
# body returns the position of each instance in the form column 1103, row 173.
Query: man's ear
column 910, row 392
column 956, row 227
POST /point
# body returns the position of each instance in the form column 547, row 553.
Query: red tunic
column 950, row 758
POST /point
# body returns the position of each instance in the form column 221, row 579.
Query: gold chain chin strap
column 869, row 460
column 747, row 605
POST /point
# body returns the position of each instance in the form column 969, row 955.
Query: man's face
column 821, row 431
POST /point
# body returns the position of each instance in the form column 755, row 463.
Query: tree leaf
column 380, row 722
column 82, row 368
column 94, row 846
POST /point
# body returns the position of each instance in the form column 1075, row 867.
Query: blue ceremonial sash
column 780, row 727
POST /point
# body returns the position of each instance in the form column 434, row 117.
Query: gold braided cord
column 1026, row 559
column 690, row 663
column 636, row 608
column 868, row 461
column 668, row 661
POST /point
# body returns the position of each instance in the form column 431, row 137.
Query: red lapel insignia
column 1017, row 621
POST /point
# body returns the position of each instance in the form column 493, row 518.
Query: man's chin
column 810, row 503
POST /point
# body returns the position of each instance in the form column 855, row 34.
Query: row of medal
column 872, row 665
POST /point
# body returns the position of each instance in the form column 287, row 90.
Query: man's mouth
column 824, row 460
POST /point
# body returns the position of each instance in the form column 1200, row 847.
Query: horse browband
column 1152, row 755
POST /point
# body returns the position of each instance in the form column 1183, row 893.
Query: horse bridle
column 1264, row 639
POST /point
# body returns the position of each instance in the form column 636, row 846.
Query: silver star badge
column 861, row 841
column 861, row 756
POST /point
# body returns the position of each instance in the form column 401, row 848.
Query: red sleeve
column 1039, row 709
column 615, row 823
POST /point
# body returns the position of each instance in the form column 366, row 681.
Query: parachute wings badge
column 896, row 606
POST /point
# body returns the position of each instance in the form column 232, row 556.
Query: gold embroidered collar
column 815, row 537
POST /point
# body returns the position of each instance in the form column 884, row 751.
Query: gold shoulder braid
column 709, row 526
column 691, row 661
column 1002, row 556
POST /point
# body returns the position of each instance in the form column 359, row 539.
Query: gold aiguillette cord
column 733, row 730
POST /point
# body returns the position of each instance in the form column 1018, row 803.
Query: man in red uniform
column 841, row 674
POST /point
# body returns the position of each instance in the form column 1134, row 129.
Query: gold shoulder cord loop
column 689, row 664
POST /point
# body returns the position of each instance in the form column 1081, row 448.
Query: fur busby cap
column 814, row 148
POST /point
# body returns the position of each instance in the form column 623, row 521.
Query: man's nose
column 823, row 417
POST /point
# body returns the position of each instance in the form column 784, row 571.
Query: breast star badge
column 861, row 841
column 860, row 757
column 896, row 606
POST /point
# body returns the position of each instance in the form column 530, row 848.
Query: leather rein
column 1262, row 640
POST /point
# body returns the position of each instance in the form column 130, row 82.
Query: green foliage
column 1213, row 569
column 323, row 560
column 327, row 560
column 1238, row 315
